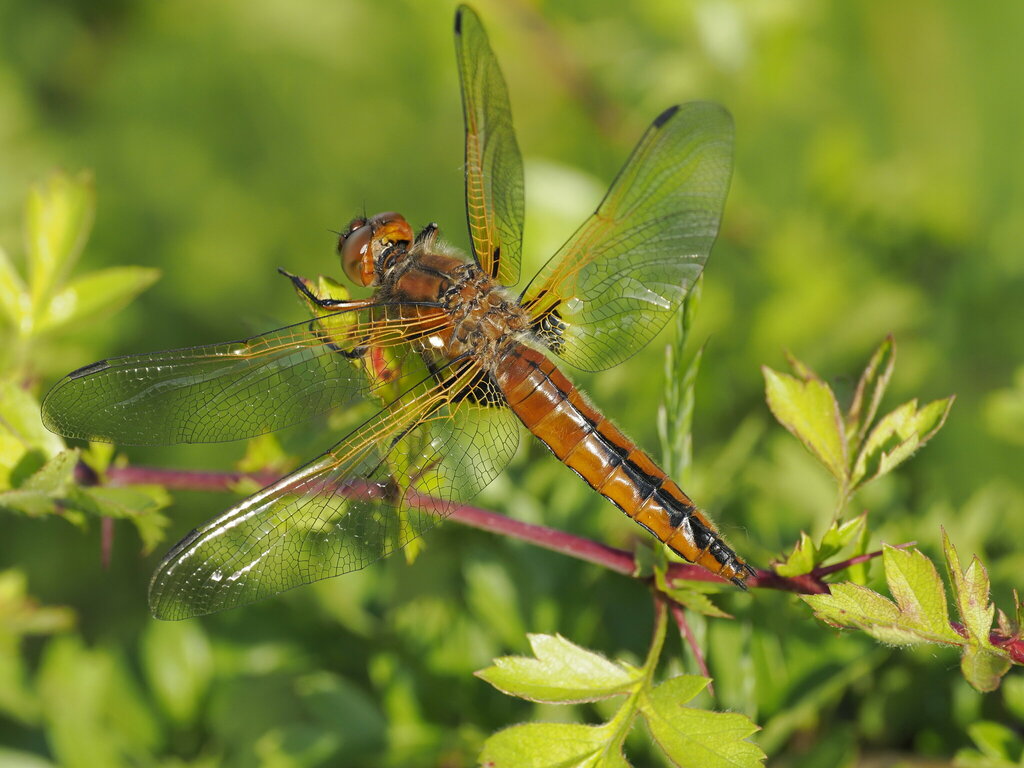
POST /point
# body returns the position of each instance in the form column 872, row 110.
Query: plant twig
column 588, row 550
column 679, row 614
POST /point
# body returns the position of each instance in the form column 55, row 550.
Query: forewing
column 226, row 391
column 379, row 488
column 494, row 167
column 618, row 280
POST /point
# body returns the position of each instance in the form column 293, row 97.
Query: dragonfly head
column 369, row 243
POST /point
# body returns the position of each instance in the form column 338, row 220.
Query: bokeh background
column 878, row 189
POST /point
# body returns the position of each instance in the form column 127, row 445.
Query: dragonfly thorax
column 484, row 320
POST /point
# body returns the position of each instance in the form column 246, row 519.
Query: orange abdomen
column 584, row 440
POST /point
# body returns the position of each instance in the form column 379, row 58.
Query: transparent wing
column 379, row 488
column 494, row 167
column 618, row 280
column 228, row 391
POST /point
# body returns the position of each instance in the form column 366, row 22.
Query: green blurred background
column 880, row 152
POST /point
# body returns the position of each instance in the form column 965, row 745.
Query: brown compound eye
column 354, row 249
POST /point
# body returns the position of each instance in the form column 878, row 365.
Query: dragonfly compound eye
column 356, row 258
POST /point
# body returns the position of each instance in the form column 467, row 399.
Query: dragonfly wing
column 494, row 166
column 618, row 280
column 380, row 487
column 224, row 391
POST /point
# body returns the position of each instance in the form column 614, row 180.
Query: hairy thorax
column 475, row 317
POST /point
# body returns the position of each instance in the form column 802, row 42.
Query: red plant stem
column 679, row 614
column 106, row 541
column 1014, row 646
column 618, row 560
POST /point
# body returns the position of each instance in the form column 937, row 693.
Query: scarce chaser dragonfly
column 456, row 357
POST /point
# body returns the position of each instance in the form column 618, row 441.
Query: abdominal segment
column 555, row 411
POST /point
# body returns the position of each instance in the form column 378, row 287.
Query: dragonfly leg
column 428, row 234
column 300, row 285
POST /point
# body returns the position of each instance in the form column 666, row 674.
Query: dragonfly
column 454, row 358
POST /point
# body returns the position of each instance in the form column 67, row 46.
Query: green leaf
column 561, row 672
column 897, row 436
column 997, row 743
column 20, row 616
column 86, row 297
column 94, row 713
column 801, row 560
column 178, row 662
column 12, row 293
column 59, row 217
column 689, row 595
column 38, row 494
column 139, row 504
column 918, row 615
column 840, row 535
column 19, row 419
column 694, row 738
column 11, row 758
column 870, row 389
column 551, row 745
column 56, row 476
column 265, row 454
column 807, row 556
column 809, row 410
column 983, row 665
column 1004, row 410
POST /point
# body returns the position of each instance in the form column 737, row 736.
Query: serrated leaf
column 918, row 590
column 897, row 436
column 55, row 476
column 139, row 504
column 693, row 737
column 851, row 605
column 870, row 389
column 801, row 560
column 918, row 615
column 59, row 217
column 807, row 555
column 37, row 494
column 983, row 665
column 809, row 410
column 687, row 595
column 560, row 672
column 551, row 745
column 696, row 601
column 96, row 293
column 840, row 535
column 971, row 592
column 12, row 292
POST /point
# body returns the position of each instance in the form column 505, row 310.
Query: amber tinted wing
column 379, row 488
column 494, row 167
column 225, row 391
column 618, row 280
